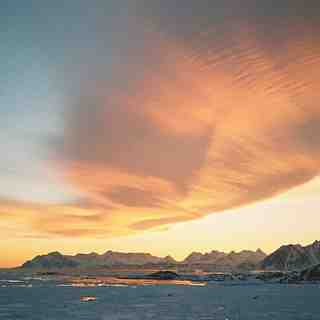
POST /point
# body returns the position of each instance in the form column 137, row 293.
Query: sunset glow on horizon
column 148, row 130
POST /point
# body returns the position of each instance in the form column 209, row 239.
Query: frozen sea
column 215, row 301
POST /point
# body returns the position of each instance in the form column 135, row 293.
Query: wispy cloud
column 196, row 130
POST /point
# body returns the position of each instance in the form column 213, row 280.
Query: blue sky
column 45, row 49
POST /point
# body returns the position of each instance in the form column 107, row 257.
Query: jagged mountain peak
column 293, row 257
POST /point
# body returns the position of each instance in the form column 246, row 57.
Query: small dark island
column 163, row 275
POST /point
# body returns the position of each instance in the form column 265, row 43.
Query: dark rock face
column 293, row 257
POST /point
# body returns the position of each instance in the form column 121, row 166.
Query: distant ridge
column 286, row 258
column 217, row 260
column 245, row 259
column 108, row 259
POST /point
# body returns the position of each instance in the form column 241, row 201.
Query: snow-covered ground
column 167, row 302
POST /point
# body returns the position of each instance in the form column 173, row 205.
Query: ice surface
column 47, row 301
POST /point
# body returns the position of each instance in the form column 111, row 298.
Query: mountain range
column 215, row 260
column 108, row 259
column 286, row 258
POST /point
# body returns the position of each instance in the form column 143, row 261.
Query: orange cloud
column 188, row 129
column 198, row 131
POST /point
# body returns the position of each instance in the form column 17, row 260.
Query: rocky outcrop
column 293, row 257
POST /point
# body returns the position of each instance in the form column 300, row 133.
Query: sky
column 158, row 126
